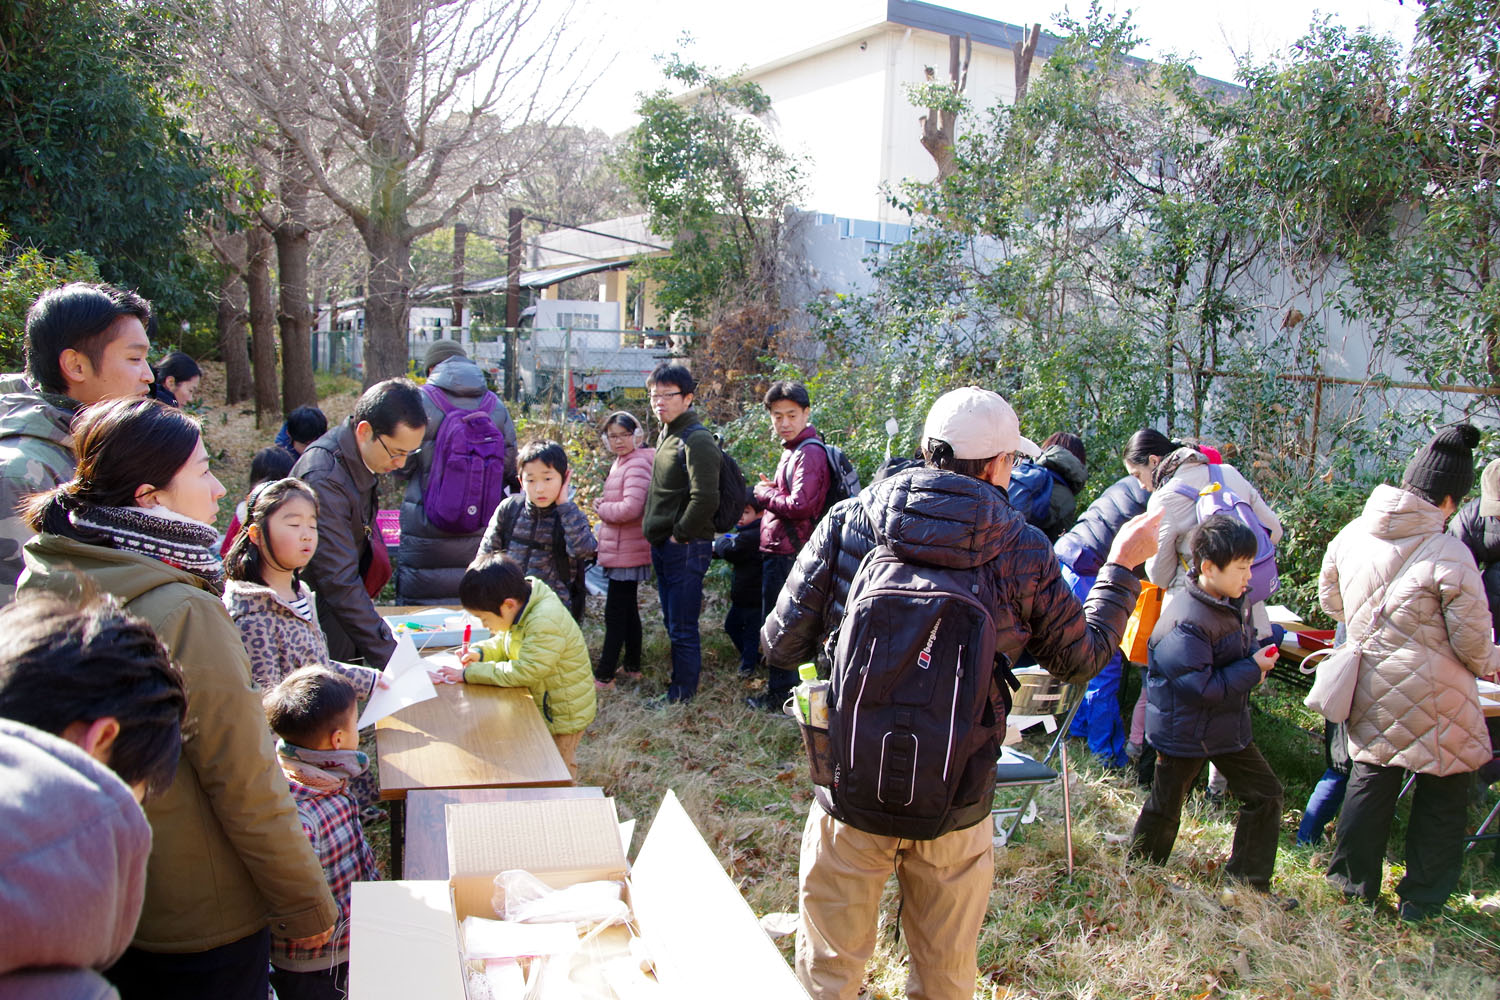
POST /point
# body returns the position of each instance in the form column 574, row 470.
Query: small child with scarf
column 313, row 711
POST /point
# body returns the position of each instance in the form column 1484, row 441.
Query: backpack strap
column 508, row 524
column 560, row 546
column 439, row 398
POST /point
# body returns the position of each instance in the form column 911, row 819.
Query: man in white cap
column 916, row 714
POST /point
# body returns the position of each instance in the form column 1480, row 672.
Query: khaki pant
column 945, row 888
column 567, row 748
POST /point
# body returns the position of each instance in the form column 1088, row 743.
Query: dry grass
column 1115, row 930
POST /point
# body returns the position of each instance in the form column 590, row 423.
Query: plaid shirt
column 331, row 822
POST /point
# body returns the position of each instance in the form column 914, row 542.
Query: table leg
column 398, row 836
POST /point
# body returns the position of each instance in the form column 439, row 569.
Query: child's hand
column 382, row 682
column 468, row 656
column 1265, row 658
column 445, row 674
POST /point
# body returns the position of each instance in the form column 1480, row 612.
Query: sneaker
column 629, row 675
column 1132, row 752
column 767, row 703
column 749, row 671
column 1415, row 913
column 1286, row 904
column 603, row 685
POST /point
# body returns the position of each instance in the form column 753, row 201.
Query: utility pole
column 513, row 304
column 460, row 245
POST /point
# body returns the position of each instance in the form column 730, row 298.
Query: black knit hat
column 1445, row 465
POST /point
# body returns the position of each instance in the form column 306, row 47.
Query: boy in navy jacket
column 741, row 550
column 1199, row 678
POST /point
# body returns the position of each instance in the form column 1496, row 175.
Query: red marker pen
column 468, row 631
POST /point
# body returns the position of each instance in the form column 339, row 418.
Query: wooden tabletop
column 469, row 736
column 427, row 827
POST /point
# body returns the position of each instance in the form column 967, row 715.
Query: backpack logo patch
column 924, row 658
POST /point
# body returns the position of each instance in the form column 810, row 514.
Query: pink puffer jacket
column 619, row 509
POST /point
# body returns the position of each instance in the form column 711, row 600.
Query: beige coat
column 228, row 855
column 1174, row 538
column 1415, row 705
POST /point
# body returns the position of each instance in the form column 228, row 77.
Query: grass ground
column 1114, row 929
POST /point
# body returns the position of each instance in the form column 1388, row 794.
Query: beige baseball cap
column 976, row 423
column 1489, row 490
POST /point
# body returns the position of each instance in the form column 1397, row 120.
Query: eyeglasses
column 657, row 397
column 622, row 436
column 396, row 456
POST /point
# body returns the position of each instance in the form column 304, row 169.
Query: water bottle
column 812, row 697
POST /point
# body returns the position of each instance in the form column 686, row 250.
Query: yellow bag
column 1142, row 620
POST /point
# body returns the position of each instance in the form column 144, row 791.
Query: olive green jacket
column 684, row 485
column 36, row 453
column 543, row 652
column 228, row 855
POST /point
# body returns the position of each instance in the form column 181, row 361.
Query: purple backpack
column 466, row 480
column 1216, row 498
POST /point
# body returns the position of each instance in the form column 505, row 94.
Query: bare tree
column 945, row 103
column 229, row 251
column 262, row 318
column 403, row 113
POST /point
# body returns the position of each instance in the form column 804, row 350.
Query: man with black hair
column 351, row 564
column 679, row 519
column 91, row 711
column 303, row 426
column 84, row 343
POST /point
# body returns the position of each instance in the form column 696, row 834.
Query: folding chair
column 1041, row 700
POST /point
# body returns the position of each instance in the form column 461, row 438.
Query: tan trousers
column 945, row 888
column 567, row 749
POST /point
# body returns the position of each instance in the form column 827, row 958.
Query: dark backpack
column 843, row 481
column 1216, row 498
column 466, row 480
column 1030, row 492
column 733, row 493
column 574, row 571
column 916, row 715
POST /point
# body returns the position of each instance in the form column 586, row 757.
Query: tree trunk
column 293, row 240
column 234, row 347
column 388, row 281
column 262, row 323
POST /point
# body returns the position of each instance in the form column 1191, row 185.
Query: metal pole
column 567, row 391
column 513, row 304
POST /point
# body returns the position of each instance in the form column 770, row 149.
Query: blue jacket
column 1086, row 545
column 1199, row 675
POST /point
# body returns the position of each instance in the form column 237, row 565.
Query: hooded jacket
column 73, row 850
column 793, row 500
column 432, row 561
column 228, row 857
column 37, row 448
column 947, row 519
column 1481, row 535
column 1415, row 704
column 346, row 490
column 1174, row 539
column 620, row 508
column 1068, row 475
column 279, row 641
column 543, row 652
column 1086, row 545
column 1199, row 676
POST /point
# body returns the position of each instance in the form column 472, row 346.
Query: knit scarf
column 159, row 533
column 321, row 770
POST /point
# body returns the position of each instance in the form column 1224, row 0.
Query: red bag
column 375, row 566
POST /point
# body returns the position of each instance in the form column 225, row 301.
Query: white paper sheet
column 1280, row 614
column 409, row 684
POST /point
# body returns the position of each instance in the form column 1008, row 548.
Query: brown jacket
column 345, row 486
column 228, row 855
column 1415, row 705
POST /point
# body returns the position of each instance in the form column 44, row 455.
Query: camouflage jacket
column 36, row 453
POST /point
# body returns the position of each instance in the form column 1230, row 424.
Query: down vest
column 433, row 561
column 1174, row 540
column 620, row 507
column 543, row 652
column 1415, row 705
column 1482, row 536
column 1085, row 547
column 531, row 544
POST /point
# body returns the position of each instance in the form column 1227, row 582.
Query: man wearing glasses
column 679, row 519
column 351, row 563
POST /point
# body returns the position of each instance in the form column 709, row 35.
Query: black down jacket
column 1482, row 537
column 1086, row 545
column 432, row 561
column 946, row 519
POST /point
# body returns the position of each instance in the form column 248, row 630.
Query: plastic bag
column 522, row 897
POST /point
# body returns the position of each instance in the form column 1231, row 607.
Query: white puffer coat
column 1415, row 705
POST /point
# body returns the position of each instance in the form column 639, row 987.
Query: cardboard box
column 704, row 939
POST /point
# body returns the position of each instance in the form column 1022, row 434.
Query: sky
column 730, row 36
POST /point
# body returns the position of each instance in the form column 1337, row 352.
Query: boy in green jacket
column 536, row 645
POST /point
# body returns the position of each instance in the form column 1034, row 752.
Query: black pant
column 1434, row 834
column 743, row 626
column 622, row 628
column 235, row 971
column 1256, row 828
column 774, row 570
column 327, row 984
